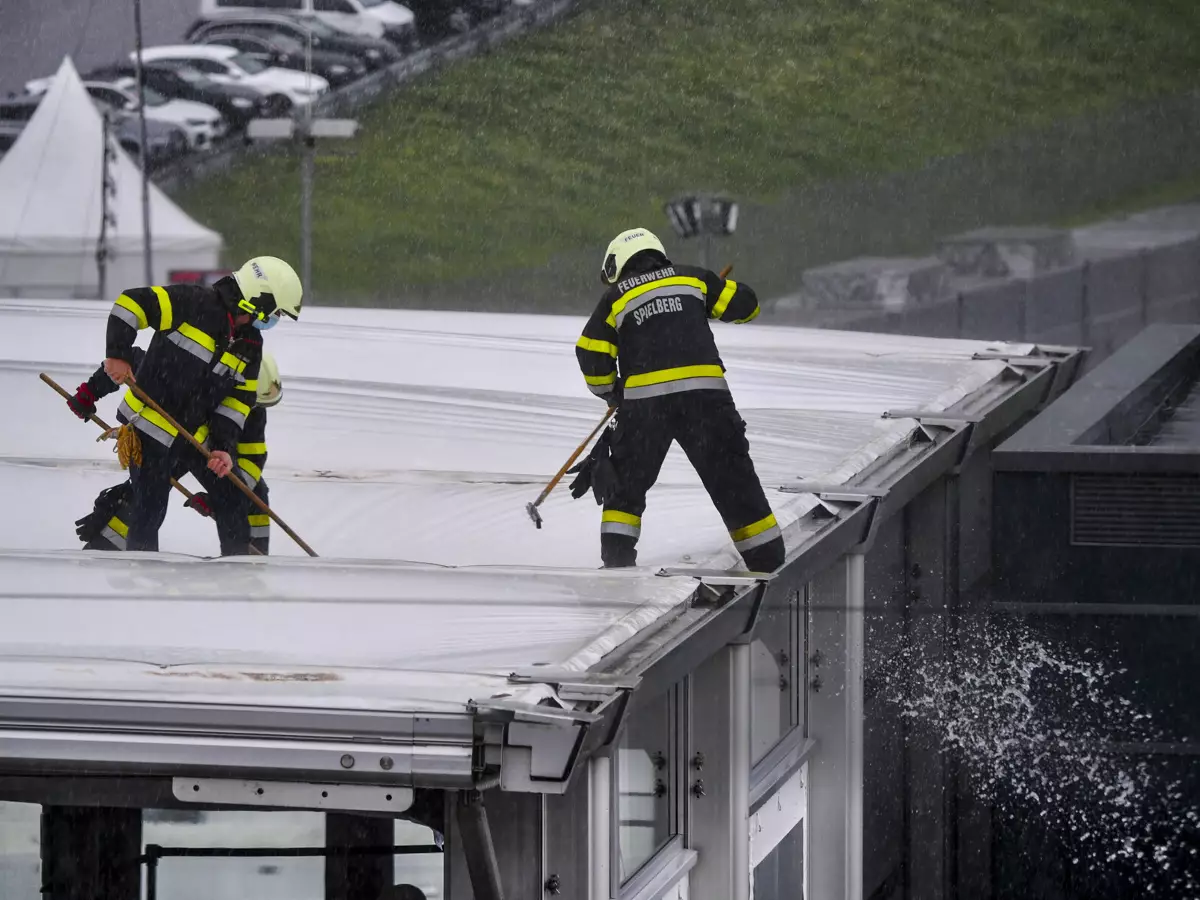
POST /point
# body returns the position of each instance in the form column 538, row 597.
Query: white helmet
column 622, row 248
column 270, row 288
column 270, row 387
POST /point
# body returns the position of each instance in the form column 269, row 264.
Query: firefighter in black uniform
column 107, row 525
column 652, row 325
column 190, row 371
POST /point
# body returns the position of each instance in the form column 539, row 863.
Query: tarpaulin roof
column 404, row 451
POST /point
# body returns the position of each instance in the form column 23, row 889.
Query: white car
column 397, row 18
column 200, row 122
column 284, row 88
column 350, row 16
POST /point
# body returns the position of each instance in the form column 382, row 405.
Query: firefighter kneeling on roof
column 107, row 525
column 190, row 371
column 653, row 322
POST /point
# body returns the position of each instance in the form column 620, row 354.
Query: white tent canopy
column 50, row 214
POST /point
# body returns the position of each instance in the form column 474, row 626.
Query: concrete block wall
column 1112, row 280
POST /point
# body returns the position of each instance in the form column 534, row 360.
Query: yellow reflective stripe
column 165, row 313
column 674, row 375
column 601, row 379
column 751, row 530
column 749, row 318
column 236, row 405
column 201, row 433
column 679, row 280
column 612, row 515
column 144, row 412
column 118, row 526
column 723, row 301
column 252, row 449
column 249, row 468
column 258, row 520
column 127, row 302
column 190, row 331
column 236, row 363
column 251, row 386
column 587, row 343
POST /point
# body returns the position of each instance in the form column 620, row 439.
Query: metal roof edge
column 847, row 519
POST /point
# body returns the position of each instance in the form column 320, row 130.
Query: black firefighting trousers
column 712, row 433
column 150, row 493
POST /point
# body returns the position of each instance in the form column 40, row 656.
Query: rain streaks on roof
column 404, row 451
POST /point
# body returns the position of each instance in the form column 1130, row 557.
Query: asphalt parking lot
column 35, row 35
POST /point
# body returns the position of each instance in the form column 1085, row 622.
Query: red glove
column 83, row 404
column 199, row 502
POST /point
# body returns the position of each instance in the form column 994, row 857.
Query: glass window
column 248, row 63
column 336, row 6
column 781, row 875
column 645, row 779
column 20, row 851
column 423, row 871
column 776, row 674
column 236, row 878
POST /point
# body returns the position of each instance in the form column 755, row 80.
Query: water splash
column 1037, row 725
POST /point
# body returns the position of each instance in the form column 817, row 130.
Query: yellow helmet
column 270, row 288
column 623, row 247
column 270, row 387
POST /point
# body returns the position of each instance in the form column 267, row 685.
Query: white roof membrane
column 404, row 451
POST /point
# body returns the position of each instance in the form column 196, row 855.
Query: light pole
column 141, row 83
column 304, row 133
column 702, row 215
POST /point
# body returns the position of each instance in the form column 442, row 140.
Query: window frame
column 679, row 745
column 797, row 674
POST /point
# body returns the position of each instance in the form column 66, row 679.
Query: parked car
column 288, row 53
column 238, row 105
column 399, row 22
column 283, row 88
column 201, row 124
column 348, row 16
column 374, row 52
column 165, row 141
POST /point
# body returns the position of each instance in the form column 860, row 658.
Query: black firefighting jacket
column 654, row 326
column 251, row 456
column 196, row 363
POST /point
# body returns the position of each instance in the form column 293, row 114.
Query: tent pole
column 141, row 80
column 102, row 243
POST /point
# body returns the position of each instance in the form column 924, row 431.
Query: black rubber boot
column 767, row 557
column 618, row 551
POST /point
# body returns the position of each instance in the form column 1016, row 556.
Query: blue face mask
column 271, row 322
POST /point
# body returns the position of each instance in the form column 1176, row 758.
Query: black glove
column 110, row 500
column 595, row 472
column 199, row 502
column 83, row 404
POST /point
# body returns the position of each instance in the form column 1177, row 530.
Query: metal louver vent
column 1135, row 510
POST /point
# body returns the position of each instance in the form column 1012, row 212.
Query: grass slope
column 563, row 137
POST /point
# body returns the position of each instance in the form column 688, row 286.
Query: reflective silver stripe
column 250, row 480
column 125, row 316
column 676, row 387
column 112, row 537
column 125, row 412
column 671, row 290
column 600, row 390
column 197, row 350
column 763, row 537
column 620, row 528
column 260, row 531
column 221, row 370
column 232, row 414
